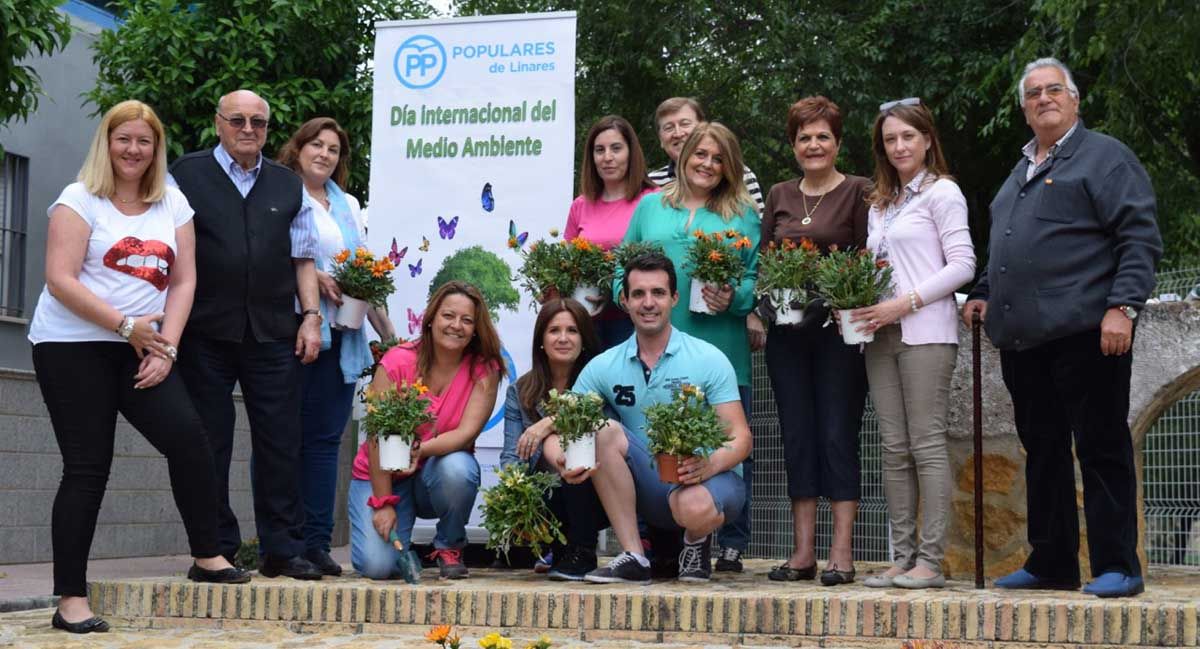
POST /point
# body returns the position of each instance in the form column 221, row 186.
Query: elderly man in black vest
column 1073, row 250
column 255, row 245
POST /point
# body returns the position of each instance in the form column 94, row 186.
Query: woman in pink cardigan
column 918, row 223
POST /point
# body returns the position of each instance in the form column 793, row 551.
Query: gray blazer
column 1078, row 238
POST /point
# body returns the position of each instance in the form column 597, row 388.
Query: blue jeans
column 654, row 496
column 325, row 404
column 735, row 533
column 444, row 489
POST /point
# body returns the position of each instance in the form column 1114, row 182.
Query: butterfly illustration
column 414, row 321
column 424, row 247
column 396, row 255
column 446, row 230
column 415, row 270
column 489, row 202
column 515, row 241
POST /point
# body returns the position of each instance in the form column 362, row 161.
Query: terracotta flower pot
column 668, row 467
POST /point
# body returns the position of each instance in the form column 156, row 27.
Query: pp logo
column 420, row 62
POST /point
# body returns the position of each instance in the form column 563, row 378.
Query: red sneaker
column 449, row 561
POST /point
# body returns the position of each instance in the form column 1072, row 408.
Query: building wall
column 55, row 140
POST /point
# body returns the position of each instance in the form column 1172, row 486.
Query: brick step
column 740, row 609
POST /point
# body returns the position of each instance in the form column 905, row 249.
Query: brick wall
column 138, row 517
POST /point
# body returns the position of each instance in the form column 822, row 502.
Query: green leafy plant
column 685, row 425
column 247, row 555
column 32, row 28
column 397, row 412
column 378, row 349
column 575, row 414
column 625, row 252
column 849, row 279
column 545, row 267
column 714, row 257
column 360, row 275
column 591, row 265
column 515, row 511
column 787, row 267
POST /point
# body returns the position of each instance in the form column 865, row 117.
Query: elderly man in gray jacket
column 1073, row 250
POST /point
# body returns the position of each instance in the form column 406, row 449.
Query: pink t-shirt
column 603, row 223
column 447, row 407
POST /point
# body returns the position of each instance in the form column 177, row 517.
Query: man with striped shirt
column 674, row 121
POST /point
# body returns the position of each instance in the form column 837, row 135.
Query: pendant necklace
column 807, row 212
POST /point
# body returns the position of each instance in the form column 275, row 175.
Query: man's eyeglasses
column 239, row 122
column 907, row 101
column 1053, row 90
column 681, row 125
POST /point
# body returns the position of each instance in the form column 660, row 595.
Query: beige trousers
column 910, row 389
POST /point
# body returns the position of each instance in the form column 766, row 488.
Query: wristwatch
column 125, row 329
column 317, row 312
column 1129, row 311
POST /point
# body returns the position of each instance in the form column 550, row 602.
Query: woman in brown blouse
column 819, row 382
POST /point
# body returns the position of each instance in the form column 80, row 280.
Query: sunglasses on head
column 907, row 101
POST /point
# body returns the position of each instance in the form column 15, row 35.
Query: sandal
column 784, row 572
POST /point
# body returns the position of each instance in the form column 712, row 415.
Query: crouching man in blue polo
column 634, row 375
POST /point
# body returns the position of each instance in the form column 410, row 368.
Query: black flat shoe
column 324, row 563
column 91, row 625
column 784, row 572
column 223, row 576
column 835, row 577
column 294, row 567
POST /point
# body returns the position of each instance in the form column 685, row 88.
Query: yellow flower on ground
column 494, row 640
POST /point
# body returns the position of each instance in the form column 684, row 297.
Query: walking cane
column 977, row 397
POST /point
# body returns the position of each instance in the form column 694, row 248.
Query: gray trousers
column 910, row 388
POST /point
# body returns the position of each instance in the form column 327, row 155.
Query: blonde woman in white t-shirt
column 120, row 274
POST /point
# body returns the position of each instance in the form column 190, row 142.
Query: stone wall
column 138, row 516
column 1166, row 367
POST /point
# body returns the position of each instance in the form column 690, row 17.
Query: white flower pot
column 351, row 314
column 696, row 303
column 784, row 313
column 582, row 293
column 850, row 334
column 395, row 453
column 581, row 454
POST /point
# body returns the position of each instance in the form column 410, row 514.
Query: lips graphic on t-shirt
column 149, row 260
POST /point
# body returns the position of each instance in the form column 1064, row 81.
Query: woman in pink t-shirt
column 458, row 358
column 611, row 183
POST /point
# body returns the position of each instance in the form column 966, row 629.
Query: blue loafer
column 1115, row 584
column 1022, row 578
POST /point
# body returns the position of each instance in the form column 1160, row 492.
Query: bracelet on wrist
column 375, row 502
column 912, row 301
column 172, row 352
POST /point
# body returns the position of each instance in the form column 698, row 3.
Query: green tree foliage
column 27, row 28
column 747, row 61
column 307, row 58
column 486, row 271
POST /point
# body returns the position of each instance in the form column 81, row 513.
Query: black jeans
column 85, row 385
column 1058, row 388
column 269, row 375
column 578, row 509
column 820, row 386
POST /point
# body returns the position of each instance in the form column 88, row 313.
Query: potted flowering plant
column 714, row 261
column 392, row 420
column 545, row 268
column 591, row 268
column 684, row 426
column 364, row 281
column 378, row 349
column 515, row 510
column 625, row 252
column 850, row 279
column 577, row 417
column 785, row 275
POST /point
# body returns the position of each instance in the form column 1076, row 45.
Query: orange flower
column 731, row 233
column 438, row 634
column 421, row 390
column 581, row 244
column 743, row 243
column 533, row 246
column 718, row 236
column 387, row 264
column 362, row 252
column 341, row 257
column 698, row 233
column 808, row 245
column 715, row 255
column 608, row 256
column 359, row 262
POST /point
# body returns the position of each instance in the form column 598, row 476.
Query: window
column 14, row 217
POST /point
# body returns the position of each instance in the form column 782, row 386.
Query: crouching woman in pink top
column 458, row 358
column 918, row 223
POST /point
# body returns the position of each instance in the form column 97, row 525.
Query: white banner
column 473, row 128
